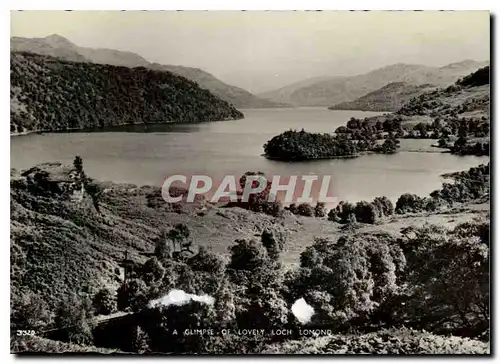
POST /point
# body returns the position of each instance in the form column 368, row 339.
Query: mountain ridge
column 334, row 90
column 59, row 47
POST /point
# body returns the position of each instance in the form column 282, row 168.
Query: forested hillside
column 388, row 98
column 50, row 94
column 57, row 46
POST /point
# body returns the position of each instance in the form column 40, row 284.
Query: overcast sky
column 264, row 50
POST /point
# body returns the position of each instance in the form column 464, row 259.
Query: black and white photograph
column 229, row 182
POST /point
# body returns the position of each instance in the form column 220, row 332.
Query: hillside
column 468, row 97
column 50, row 94
column 69, row 234
column 457, row 115
column 60, row 47
column 388, row 98
column 239, row 97
column 335, row 90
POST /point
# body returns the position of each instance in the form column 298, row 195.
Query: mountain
column 334, row 90
column 239, row 97
column 48, row 93
column 468, row 97
column 59, row 47
column 285, row 92
column 53, row 45
column 391, row 97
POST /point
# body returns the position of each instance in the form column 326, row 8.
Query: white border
column 185, row 5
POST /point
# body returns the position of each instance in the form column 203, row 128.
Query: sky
column 264, row 50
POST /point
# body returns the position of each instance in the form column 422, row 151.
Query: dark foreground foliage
column 427, row 278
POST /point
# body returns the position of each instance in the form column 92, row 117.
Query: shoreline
column 106, row 128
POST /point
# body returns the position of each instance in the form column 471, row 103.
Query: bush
column 132, row 294
column 304, row 209
column 206, row 261
column 383, row 206
column 449, row 275
column 273, row 243
column 74, row 316
column 152, row 270
column 347, row 279
column 140, row 341
column 29, row 311
column 409, row 203
column 104, row 302
column 247, row 255
column 320, row 209
column 365, row 212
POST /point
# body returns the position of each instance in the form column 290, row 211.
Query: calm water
column 139, row 156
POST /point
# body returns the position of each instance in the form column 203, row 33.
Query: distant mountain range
column 328, row 91
column 391, row 97
column 60, row 47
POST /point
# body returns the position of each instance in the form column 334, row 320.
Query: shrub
column 347, row 279
column 152, row 270
column 384, row 206
column 449, row 275
column 247, row 255
column 29, row 311
column 409, row 203
column 365, row 212
column 304, row 209
column 74, row 316
column 132, row 294
column 104, row 302
column 140, row 341
column 320, row 209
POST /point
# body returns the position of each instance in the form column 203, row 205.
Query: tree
column 78, row 164
column 247, row 255
column 152, row 270
column 305, row 209
column 320, row 209
column 408, row 202
column 74, row 317
column 332, row 215
column 421, row 128
column 293, row 208
column 179, row 234
column 365, row 212
column 442, row 143
column 95, row 192
column 272, row 243
column 104, row 302
column 140, row 341
column 449, row 275
column 29, row 311
column 132, row 294
column 384, row 206
column 163, row 250
column 347, row 279
column 206, row 261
